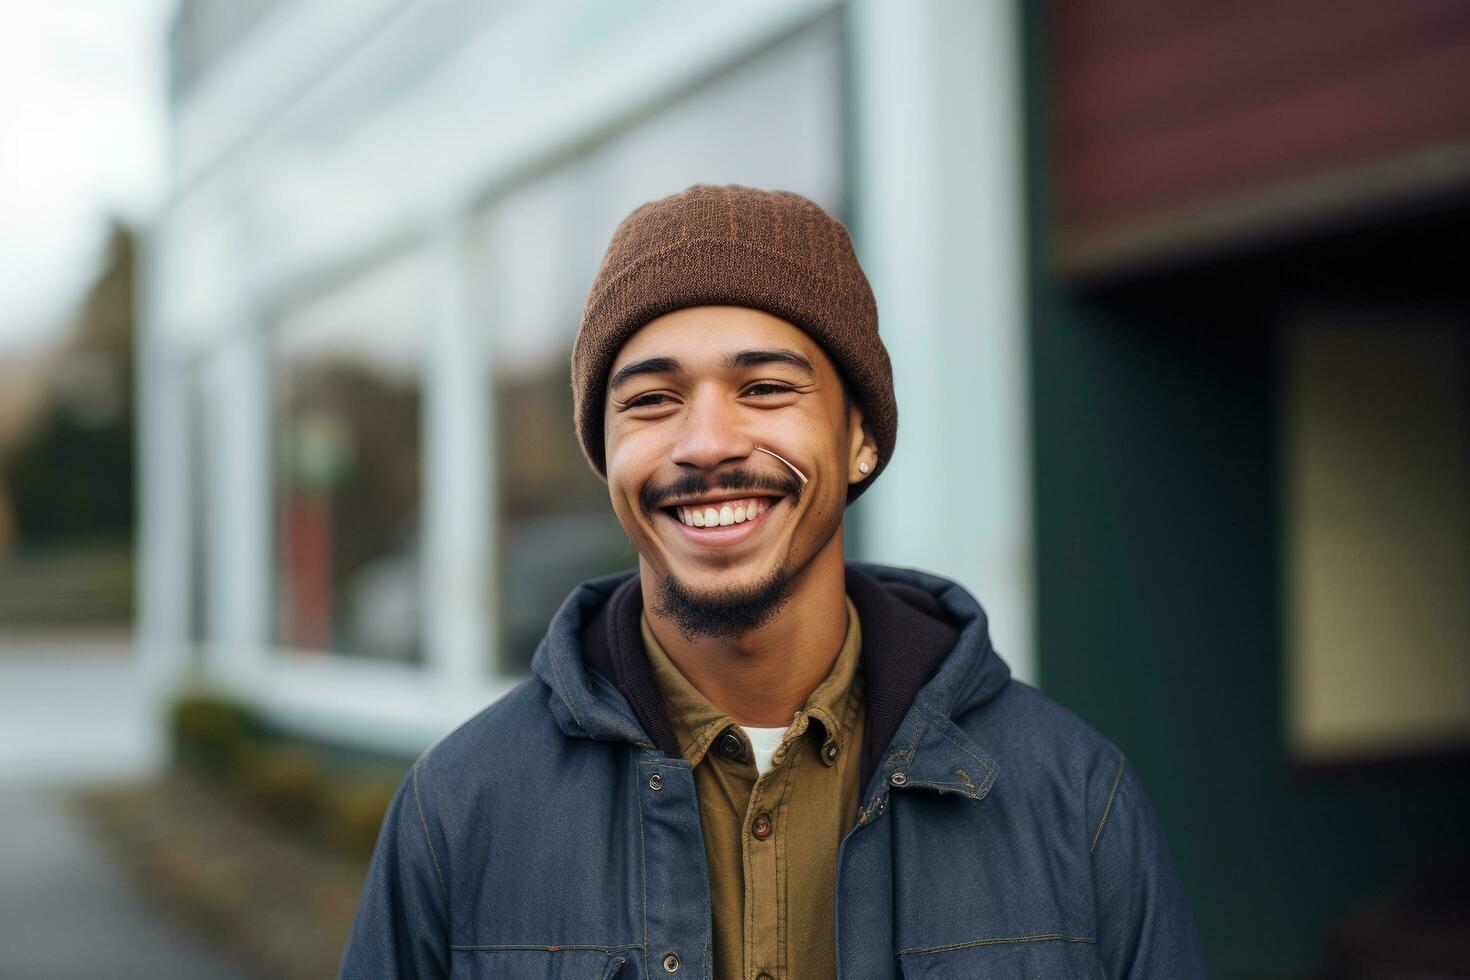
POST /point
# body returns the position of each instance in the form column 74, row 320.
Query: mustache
column 653, row 495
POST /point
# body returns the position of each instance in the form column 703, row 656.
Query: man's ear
column 862, row 448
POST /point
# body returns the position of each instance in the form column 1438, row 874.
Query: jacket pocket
column 1020, row 958
column 542, row 964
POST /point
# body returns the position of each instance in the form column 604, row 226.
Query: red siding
column 1165, row 104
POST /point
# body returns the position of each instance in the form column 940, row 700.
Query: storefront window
column 348, row 374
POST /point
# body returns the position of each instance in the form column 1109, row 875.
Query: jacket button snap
column 898, row 779
column 671, row 963
column 761, row 826
column 830, row 753
column 656, row 782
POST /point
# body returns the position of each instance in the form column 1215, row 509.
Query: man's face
column 690, row 397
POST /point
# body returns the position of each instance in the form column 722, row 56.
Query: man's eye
column 644, row 400
column 773, row 389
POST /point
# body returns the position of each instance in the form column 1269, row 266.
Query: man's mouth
column 720, row 512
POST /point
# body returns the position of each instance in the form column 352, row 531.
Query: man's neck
column 764, row 676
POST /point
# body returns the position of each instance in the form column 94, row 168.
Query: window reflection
column 349, row 391
column 555, row 523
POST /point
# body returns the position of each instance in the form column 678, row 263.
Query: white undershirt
column 764, row 742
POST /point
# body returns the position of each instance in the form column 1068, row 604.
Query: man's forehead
column 710, row 334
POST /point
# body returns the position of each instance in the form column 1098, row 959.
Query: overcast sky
column 81, row 136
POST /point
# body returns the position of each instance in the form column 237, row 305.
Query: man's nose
column 711, row 432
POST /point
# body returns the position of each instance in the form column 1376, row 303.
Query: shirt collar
column 697, row 722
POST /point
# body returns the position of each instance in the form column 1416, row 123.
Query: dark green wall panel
column 1158, row 584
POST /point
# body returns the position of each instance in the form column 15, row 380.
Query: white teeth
column 729, row 512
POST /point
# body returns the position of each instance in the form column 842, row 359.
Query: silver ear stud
column 864, row 467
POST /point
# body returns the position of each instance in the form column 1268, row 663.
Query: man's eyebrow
column 750, row 358
column 740, row 359
column 650, row 365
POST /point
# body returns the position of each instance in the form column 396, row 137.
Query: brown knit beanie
column 735, row 246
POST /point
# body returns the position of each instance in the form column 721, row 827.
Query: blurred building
column 363, row 498
column 1191, row 396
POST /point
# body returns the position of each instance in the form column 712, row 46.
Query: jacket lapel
column 933, row 753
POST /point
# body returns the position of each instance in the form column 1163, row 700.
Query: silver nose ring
column 800, row 475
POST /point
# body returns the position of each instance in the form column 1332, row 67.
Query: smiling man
column 749, row 758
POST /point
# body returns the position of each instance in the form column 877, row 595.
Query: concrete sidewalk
column 66, row 913
column 73, row 710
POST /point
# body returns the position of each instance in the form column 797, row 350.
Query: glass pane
column 348, row 372
column 555, row 524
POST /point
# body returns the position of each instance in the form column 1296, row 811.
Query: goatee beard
column 722, row 613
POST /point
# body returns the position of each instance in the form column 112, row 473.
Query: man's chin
column 722, row 608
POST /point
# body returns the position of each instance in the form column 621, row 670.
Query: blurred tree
column 71, row 477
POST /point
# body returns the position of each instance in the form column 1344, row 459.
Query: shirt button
column 671, row 963
column 729, row 746
column 761, row 826
column 655, row 782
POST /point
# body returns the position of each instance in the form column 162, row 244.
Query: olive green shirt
column 771, row 840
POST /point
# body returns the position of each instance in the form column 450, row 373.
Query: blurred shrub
column 212, row 735
column 297, row 785
column 358, row 806
column 287, row 783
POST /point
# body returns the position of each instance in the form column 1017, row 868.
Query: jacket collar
column 926, row 660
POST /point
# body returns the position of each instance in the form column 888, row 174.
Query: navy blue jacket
column 999, row 834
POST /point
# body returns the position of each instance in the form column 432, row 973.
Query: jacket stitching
column 573, row 947
column 989, row 764
column 642, row 867
column 938, row 724
column 1111, row 794
column 1052, row 936
column 428, row 839
column 562, row 683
